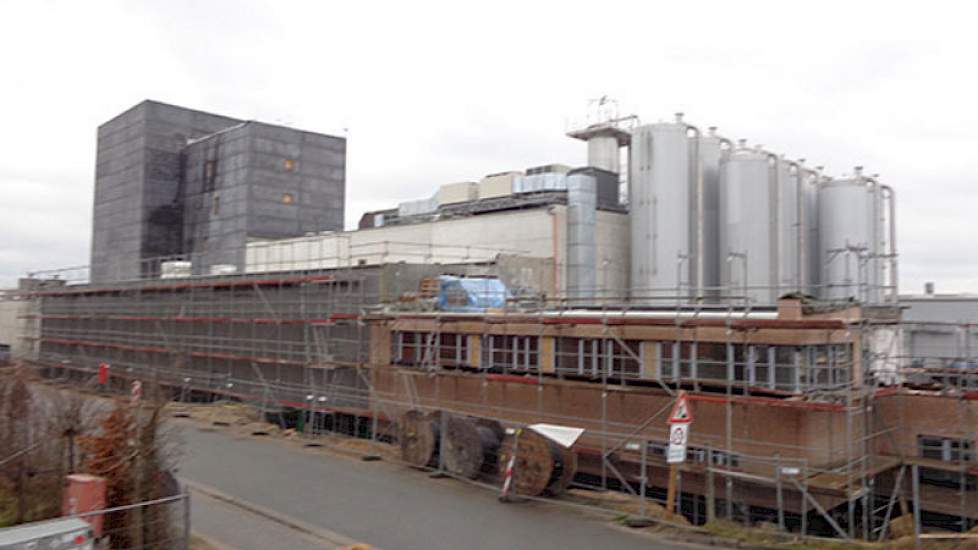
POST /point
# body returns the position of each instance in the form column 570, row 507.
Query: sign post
column 103, row 377
column 679, row 422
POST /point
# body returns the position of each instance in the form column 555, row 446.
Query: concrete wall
column 11, row 328
column 612, row 240
column 474, row 238
column 935, row 333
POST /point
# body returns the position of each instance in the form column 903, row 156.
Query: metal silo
column 581, row 247
column 789, row 227
column 749, row 255
column 808, row 180
column 704, row 227
column 660, row 207
column 849, row 239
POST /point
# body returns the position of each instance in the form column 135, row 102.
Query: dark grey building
column 175, row 183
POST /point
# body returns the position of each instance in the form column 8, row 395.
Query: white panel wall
column 536, row 233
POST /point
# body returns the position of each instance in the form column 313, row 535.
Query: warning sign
column 681, row 414
column 679, row 421
column 678, row 436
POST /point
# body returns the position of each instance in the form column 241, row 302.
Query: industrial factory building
column 588, row 297
column 175, row 184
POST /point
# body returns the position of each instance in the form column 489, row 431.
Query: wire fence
column 155, row 524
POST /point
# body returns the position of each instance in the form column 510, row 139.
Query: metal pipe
column 774, row 246
column 891, row 240
column 700, row 208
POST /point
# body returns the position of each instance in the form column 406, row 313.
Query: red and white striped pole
column 508, row 480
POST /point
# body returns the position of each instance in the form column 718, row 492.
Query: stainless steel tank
column 849, row 239
column 809, row 220
column 706, row 247
column 749, row 252
column 789, row 227
column 660, row 206
column 581, row 246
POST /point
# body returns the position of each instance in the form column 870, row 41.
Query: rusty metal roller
column 471, row 445
column 418, row 436
column 542, row 466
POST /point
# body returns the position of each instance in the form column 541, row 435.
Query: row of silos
column 716, row 222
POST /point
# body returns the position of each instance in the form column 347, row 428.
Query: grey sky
column 433, row 93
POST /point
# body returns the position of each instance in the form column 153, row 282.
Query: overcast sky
column 435, row 93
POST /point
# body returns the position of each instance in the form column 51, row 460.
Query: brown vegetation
column 46, row 433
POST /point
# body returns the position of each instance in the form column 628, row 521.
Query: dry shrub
column 130, row 450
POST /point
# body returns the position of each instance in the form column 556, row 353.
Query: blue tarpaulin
column 470, row 294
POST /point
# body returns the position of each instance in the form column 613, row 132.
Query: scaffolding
column 361, row 346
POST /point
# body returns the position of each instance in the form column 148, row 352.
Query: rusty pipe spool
column 542, row 467
column 418, row 436
column 471, row 445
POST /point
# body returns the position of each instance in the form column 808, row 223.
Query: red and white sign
column 681, row 413
column 679, row 420
column 137, row 391
column 678, row 437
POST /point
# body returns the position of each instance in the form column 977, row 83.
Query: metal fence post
column 442, row 429
column 374, row 421
column 186, row 520
column 711, row 498
column 915, row 470
column 643, row 479
column 804, row 501
column 777, row 482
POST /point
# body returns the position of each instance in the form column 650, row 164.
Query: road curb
column 217, row 545
column 325, row 535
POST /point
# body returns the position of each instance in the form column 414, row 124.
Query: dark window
column 944, row 448
column 418, row 348
column 511, row 352
column 210, row 174
column 598, row 357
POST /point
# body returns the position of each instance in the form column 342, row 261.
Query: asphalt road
column 240, row 529
column 385, row 505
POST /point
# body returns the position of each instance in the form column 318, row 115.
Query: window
column 288, row 198
column 289, row 165
column 216, row 208
column 510, row 352
column 427, row 348
column 453, row 349
column 210, row 174
column 944, row 448
column 598, row 357
column 412, row 348
column 711, row 361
